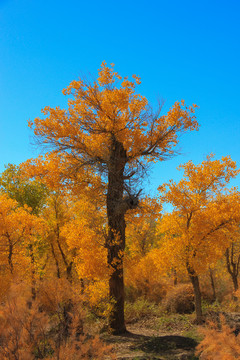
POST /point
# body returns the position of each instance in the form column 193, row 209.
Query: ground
column 164, row 336
column 145, row 342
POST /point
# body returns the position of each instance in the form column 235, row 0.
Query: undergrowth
column 219, row 342
column 140, row 309
column 176, row 323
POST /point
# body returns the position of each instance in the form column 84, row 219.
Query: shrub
column 85, row 349
column 180, row 299
column 23, row 331
column 174, row 323
column 141, row 308
column 219, row 343
column 51, row 327
column 152, row 292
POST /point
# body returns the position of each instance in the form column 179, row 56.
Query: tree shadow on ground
column 156, row 347
column 166, row 343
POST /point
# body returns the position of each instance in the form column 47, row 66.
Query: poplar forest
column 91, row 266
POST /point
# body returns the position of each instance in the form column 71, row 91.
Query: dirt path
column 144, row 343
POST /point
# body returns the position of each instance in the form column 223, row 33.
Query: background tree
column 233, row 257
column 109, row 132
column 18, row 229
column 85, row 235
column 141, row 277
column 25, row 191
column 57, row 213
column 141, row 227
column 31, row 195
column 204, row 211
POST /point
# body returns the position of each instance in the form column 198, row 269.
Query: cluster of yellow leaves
column 61, row 173
column 145, row 275
column 200, row 183
column 205, row 213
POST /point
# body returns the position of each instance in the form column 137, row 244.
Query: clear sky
column 181, row 50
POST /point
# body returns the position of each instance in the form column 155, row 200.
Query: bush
column 152, row 292
column 175, row 323
column 51, row 327
column 141, row 308
column 219, row 343
column 86, row 349
column 180, row 299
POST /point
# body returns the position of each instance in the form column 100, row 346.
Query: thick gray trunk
column 116, row 235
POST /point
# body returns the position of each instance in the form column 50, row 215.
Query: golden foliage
column 146, row 278
column 80, row 138
column 204, row 214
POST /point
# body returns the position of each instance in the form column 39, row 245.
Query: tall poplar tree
column 111, row 131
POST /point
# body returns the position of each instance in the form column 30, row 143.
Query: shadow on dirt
column 166, row 343
column 168, row 347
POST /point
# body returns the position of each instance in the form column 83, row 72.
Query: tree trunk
column 10, row 254
column 69, row 271
column 197, row 295
column 33, row 278
column 116, row 235
column 56, row 260
column 235, row 282
column 213, row 284
column 232, row 267
column 175, row 279
column 68, row 265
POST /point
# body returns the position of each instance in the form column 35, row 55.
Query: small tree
column 57, row 213
column 109, row 132
column 204, row 212
column 18, row 229
column 28, row 194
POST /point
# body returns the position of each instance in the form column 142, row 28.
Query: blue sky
column 181, row 50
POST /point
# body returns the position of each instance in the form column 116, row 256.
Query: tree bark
column 68, row 265
column 116, row 235
column 235, row 282
column 56, row 260
column 197, row 295
column 232, row 267
column 33, row 278
column 175, row 279
column 10, row 253
column 213, row 284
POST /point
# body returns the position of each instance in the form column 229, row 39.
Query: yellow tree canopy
column 204, row 213
column 81, row 136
